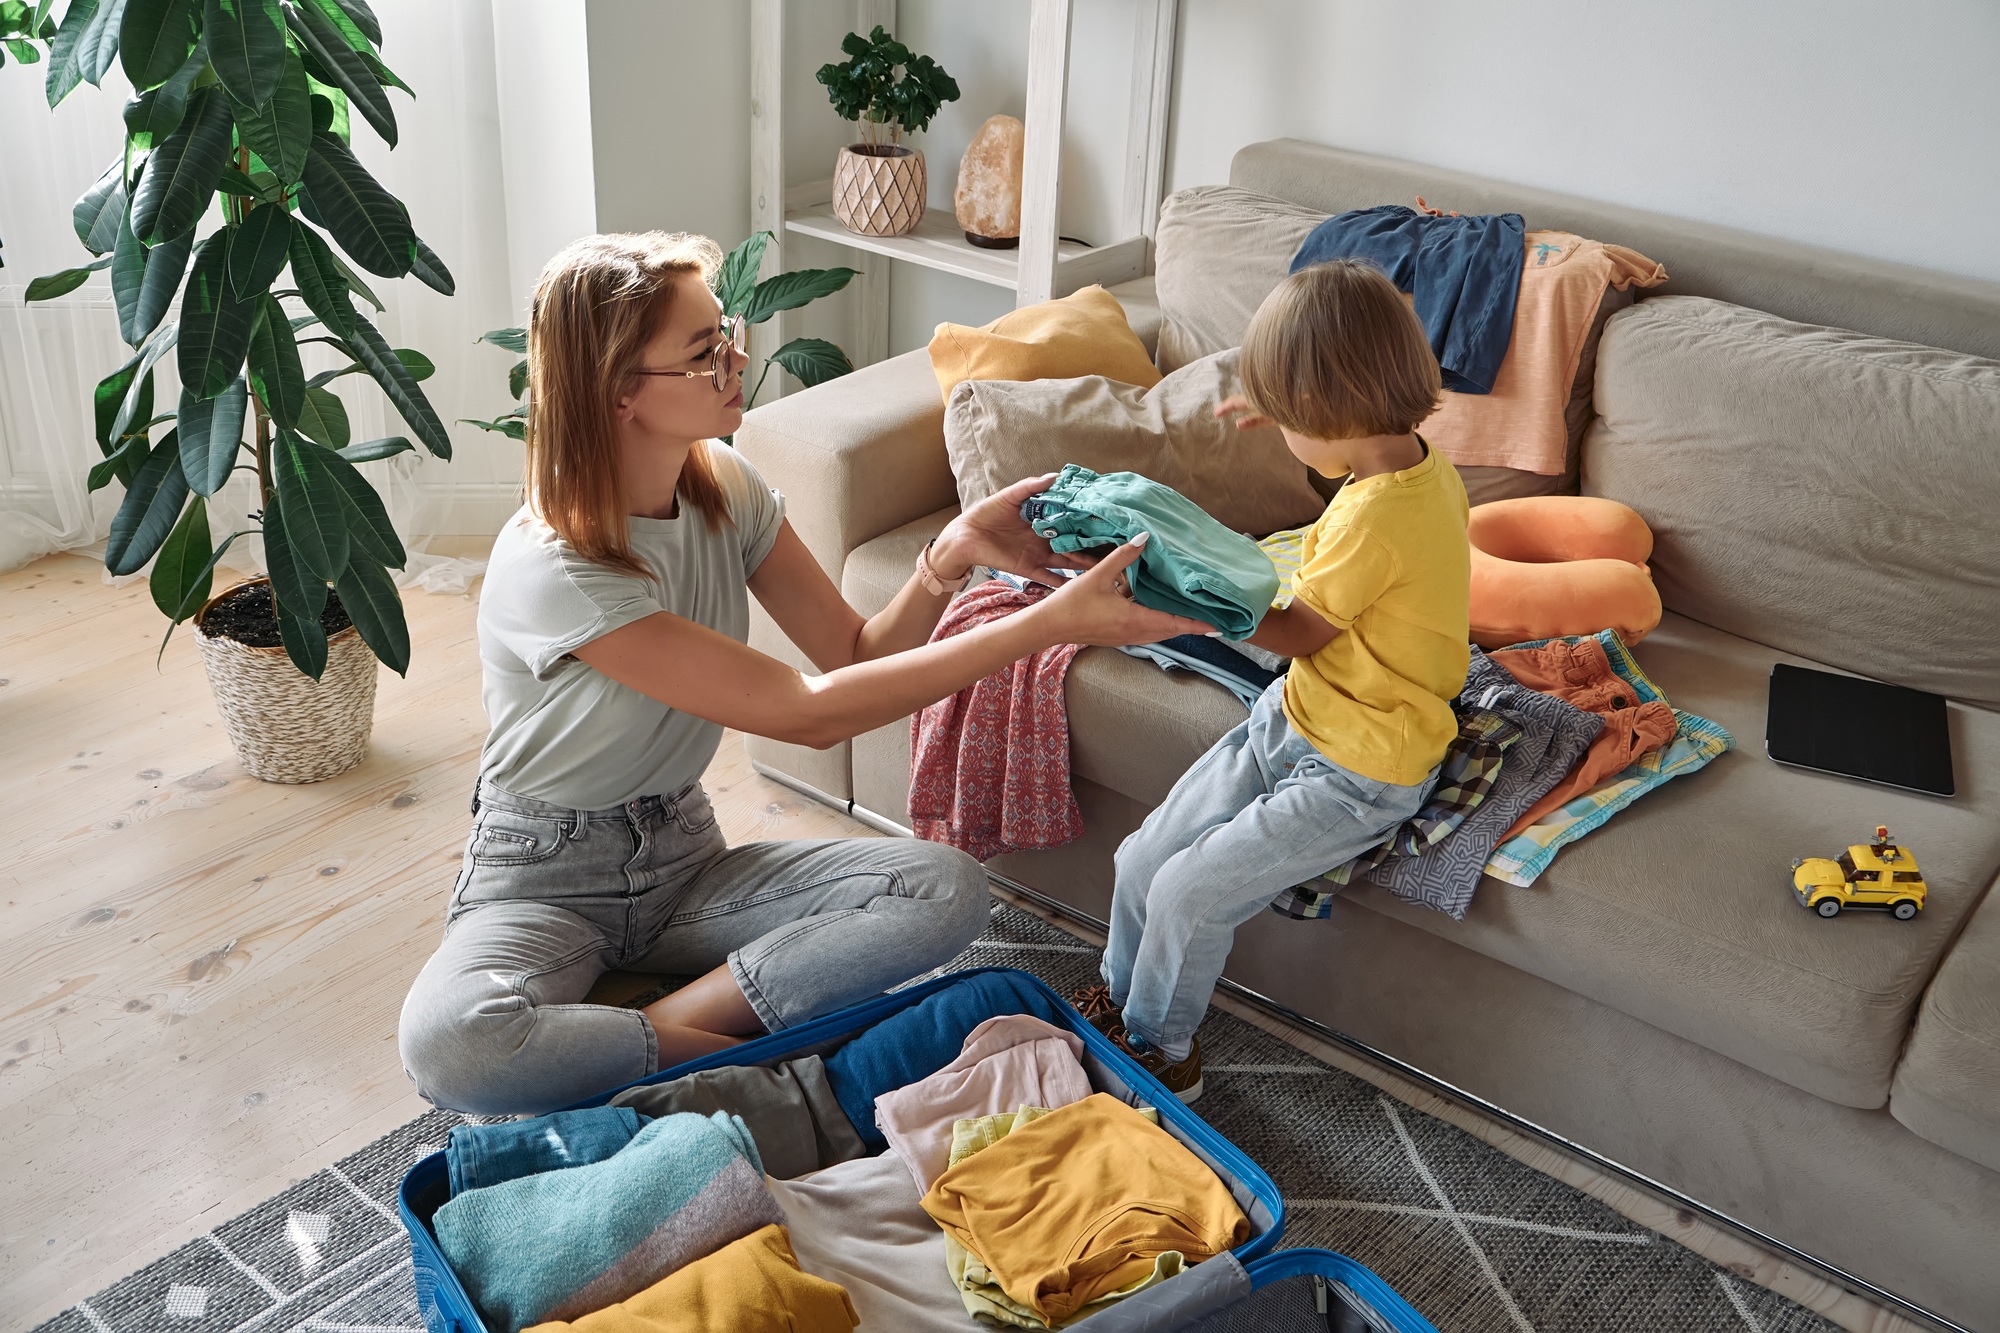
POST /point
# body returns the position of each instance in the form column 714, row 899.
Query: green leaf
column 376, row 608
column 180, row 176
column 416, row 363
column 355, row 283
column 154, row 38
column 165, row 265
column 517, row 378
column 97, row 48
column 513, row 340
column 305, row 643
column 299, row 591
column 367, row 519
column 258, row 248
column 64, row 73
column 385, row 76
column 311, row 500
column 108, row 401
column 812, row 360
column 369, row 450
column 789, row 291
column 737, row 278
column 138, row 402
column 246, row 47
column 329, row 109
column 275, row 373
column 319, row 281
column 128, row 274
column 511, row 427
column 215, row 326
column 235, row 182
column 211, row 431
column 182, row 574
column 151, row 505
column 350, row 33
column 387, row 370
column 51, row 285
column 363, row 18
column 280, row 130
column 100, row 211
column 324, row 419
column 123, row 463
column 154, row 114
column 344, row 66
column 364, row 218
column 430, row 270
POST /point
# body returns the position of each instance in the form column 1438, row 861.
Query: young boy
column 1346, row 746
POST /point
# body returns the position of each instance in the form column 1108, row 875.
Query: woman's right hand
column 1096, row 608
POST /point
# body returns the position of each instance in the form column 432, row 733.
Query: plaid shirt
column 1470, row 767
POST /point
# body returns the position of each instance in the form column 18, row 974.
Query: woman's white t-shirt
column 564, row 732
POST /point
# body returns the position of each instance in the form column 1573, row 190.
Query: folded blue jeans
column 1192, row 566
column 476, row 1156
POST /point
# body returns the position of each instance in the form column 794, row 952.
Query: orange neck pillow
column 1551, row 565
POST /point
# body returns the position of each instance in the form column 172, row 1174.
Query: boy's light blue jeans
column 1261, row 811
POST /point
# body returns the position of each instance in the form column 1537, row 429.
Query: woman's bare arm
column 696, row 670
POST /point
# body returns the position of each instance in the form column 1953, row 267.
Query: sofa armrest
column 855, row 457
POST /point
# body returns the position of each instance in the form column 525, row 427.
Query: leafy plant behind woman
column 246, row 106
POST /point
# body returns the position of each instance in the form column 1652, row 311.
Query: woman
column 611, row 639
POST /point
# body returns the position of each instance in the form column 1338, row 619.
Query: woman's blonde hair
column 1336, row 353
column 598, row 304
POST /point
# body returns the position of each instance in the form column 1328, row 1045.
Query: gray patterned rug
column 1471, row 1237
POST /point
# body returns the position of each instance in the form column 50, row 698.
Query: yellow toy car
column 1878, row 875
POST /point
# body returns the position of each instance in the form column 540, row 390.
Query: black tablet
column 1859, row 728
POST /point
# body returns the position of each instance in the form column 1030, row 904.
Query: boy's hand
column 1236, row 405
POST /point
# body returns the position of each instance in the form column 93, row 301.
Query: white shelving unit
column 1043, row 266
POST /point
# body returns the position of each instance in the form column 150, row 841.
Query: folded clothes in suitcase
column 1288, row 1291
column 448, row 1308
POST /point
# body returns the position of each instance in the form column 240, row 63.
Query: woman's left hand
column 993, row 533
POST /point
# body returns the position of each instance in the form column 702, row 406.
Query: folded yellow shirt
column 976, row 1287
column 751, row 1285
column 1081, row 1203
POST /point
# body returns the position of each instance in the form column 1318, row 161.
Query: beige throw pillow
column 999, row 431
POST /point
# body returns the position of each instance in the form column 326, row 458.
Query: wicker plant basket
column 284, row 725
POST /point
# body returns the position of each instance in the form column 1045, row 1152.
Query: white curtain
column 448, row 170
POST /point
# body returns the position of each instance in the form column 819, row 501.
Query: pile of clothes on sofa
column 952, row 1161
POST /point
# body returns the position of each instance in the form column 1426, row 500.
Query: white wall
column 1840, row 123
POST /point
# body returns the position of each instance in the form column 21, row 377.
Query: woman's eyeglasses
column 720, row 358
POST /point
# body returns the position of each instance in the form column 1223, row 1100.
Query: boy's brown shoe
column 1095, row 1004
column 1182, row 1079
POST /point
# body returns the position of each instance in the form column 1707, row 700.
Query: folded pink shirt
column 1007, row 1062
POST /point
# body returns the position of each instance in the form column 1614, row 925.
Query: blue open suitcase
column 1252, row 1288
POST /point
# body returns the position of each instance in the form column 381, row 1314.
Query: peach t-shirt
column 1521, row 424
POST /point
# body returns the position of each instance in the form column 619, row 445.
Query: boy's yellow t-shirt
column 1388, row 563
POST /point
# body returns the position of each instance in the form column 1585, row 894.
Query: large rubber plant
column 243, row 109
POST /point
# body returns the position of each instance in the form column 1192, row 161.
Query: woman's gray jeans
column 550, row 898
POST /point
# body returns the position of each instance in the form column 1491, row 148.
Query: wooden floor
column 204, row 970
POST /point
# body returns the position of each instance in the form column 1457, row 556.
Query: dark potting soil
column 249, row 616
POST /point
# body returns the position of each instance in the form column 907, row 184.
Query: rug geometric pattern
column 1474, row 1239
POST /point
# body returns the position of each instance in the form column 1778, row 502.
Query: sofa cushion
column 1948, row 1085
column 1084, row 333
column 1820, row 491
column 999, row 431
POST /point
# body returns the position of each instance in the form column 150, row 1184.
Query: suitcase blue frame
column 447, row 1308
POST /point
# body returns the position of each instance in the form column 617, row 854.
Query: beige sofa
column 1657, row 996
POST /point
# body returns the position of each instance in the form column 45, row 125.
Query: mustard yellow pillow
column 1084, row 333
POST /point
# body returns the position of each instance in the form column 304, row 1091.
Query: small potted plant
column 879, row 184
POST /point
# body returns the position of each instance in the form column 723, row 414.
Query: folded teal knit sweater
column 562, row 1244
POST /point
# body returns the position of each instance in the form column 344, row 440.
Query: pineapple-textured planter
column 878, row 189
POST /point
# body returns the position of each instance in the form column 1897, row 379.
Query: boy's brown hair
column 1336, row 353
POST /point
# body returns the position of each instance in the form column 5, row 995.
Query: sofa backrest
column 1800, row 282
column 1820, row 491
